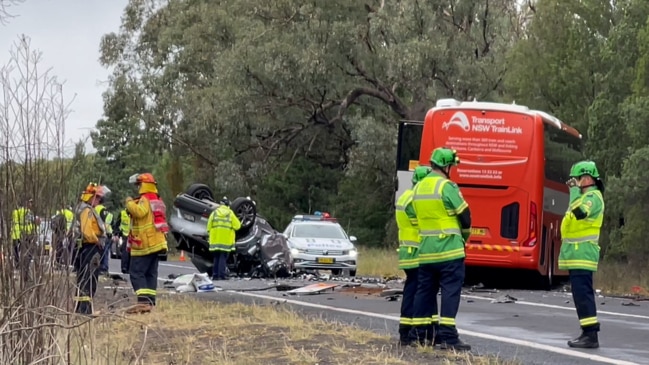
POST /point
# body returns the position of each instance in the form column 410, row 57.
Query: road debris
column 505, row 299
column 630, row 304
column 312, row 289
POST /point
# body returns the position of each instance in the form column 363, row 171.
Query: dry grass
column 378, row 262
column 190, row 331
column 615, row 278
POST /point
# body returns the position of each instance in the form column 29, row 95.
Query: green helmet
column 584, row 168
column 443, row 157
column 420, row 173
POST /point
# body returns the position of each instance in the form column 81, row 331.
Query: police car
column 318, row 242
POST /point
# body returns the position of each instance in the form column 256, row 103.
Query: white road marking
column 512, row 341
column 553, row 306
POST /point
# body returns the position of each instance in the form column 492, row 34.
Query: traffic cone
column 182, row 256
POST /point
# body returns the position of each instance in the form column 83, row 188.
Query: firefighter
column 121, row 227
column 107, row 217
column 90, row 235
column 221, row 227
column 444, row 226
column 22, row 234
column 579, row 254
column 408, row 246
column 147, row 239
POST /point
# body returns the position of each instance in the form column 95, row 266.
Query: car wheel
column 246, row 211
column 200, row 191
column 352, row 273
column 336, row 272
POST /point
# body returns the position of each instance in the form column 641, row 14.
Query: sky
column 68, row 32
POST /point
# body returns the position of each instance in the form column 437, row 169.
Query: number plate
column 478, row 231
column 325, row 260
column 188, row 217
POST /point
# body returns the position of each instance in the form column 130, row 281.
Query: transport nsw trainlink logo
column 481, row 125
column 459, row 119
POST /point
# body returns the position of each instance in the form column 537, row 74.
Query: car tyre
column 352, row 273
column 200, row 191
column 246, row 211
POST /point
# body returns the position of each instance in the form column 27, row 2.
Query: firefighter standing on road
column 221, row 227
column 147, row 240
column 408, row 247
column 90, row 233
column 444, row 226
column 579, row 247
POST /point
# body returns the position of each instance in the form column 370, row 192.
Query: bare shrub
column 35, row 295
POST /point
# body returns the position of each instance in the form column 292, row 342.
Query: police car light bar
column 315, row 217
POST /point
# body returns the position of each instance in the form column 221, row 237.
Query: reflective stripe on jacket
column 580, row 238
column 144, row 237
column 22, row 223
column 441, row 236
column 108, row 220
column 408, row 232
column 125, row 222
column 221, row 227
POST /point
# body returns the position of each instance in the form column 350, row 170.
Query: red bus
column 514, row 163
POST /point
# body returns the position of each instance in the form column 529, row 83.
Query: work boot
column 140, row 308
column 587, row 340
column 457, row 346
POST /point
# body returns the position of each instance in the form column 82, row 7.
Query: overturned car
column 260, row 251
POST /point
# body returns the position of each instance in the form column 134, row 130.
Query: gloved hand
column 575, row 193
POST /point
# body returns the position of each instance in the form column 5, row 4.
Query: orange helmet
column 90, row 189
column 142, row 178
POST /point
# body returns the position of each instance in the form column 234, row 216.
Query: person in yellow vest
column 408, row 248
column 221, row 226
column 69, row 216
column 147, row 239
column 23, row 229
column 89, row 232
column 444, row 226
column 120, row 233
column 579, row 253
column 107, row 217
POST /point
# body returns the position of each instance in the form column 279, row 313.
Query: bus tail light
column 531, row 240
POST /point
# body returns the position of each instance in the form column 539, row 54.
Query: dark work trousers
column 449, row 277
column 425, row 304
column 87, row 277
column 125, row 260
column 23, row 254
column 220, row 265
column 144, row 277
column 581, row 283
column 105, row 258
column 408, row 303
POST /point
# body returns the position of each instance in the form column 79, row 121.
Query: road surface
column 533, row 330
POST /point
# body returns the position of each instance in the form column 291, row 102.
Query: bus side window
column 562, row 150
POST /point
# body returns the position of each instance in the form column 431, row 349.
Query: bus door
column 408, row 145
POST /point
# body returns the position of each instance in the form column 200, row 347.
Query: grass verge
column 185, row 330
column 378, row 262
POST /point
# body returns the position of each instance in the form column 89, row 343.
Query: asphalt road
column 533, row 330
